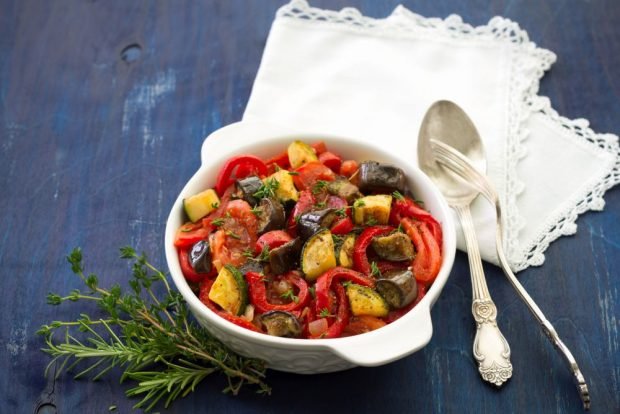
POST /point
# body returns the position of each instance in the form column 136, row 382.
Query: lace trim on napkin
column 591, row 195
column 529, row 64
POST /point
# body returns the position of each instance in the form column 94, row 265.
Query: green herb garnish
column 147, row 331
column 324, row 313
column 290, row 295
column 267, row 189
column 218, row 222
column 374, row 270
column 319, row 186
column 397, row 195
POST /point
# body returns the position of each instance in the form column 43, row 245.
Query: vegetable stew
column 307, row 244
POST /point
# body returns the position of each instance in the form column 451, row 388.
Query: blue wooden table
column 103, row 107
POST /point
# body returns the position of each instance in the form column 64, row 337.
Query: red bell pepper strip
column 203, row 295
column 281, row 160
column 427, row 261
column 244, row 165
column 406, row 207
column 331, row 160
column 342, row 317
column 342, row 226
column 360, row 259
column 271, row 240
column 325, row 281
column 258, row 293
column 188, row 271
column 189, row 234
column 304, row 204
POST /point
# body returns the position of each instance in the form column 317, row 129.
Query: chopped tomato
column 189, row 234
column 236, row 235
column 310, row 173
column 427, row 261
column 348, row 168
column 331, row 160
column 319, row 147
column 281, row 160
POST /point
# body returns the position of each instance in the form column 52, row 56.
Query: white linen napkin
column 342, row 73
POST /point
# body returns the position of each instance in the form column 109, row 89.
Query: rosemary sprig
column 152, row 338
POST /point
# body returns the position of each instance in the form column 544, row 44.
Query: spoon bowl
column 447, row 122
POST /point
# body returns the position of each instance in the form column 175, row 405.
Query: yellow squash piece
column 372, row 209
column 366, row 301
column 286, row 190
column 318, row 255
column 230, row 290
column 201, row 204
column 300, row 153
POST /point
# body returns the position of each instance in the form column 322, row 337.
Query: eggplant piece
column 200, row 257
column 246, row 187
column 344, row 189
column 281, row 323
column 373, row 176
column 311, row 222
column 395, row 247
column 271, row 215
column 398, row 288
column 286, row 257
column 252, row 265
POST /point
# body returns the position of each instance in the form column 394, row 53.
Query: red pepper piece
column 188, row 271
column 409, row 208
column 281, row 160
column 325, row 281
column 258, row 292
column 342, row 317
column 342, row 226
column 331, row 160
column 427, row 261
column 360, row 259
column 271, row 240
column 238, row 167
column 304, row 204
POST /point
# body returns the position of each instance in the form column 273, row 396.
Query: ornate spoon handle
column 491, row 349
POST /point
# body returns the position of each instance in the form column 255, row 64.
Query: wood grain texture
column 95, row 148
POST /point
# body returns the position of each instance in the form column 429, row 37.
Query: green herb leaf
column 397, row 195
column 374, row 270
column 267, row 189
column 290, row 295
column 319, row 186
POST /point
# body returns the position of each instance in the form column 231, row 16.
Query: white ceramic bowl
column 307, row 356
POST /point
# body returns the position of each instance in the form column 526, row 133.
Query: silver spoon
column 446, row 121
column 459, row 164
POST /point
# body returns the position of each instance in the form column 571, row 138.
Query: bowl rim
column 420, row 178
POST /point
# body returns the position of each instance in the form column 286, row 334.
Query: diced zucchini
column 201, row 204
column 300, row 153
column 286, row 190
column 318, row 255
column 366, row 301
column 372, row 209
column 230, row 290
column 345, row 252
